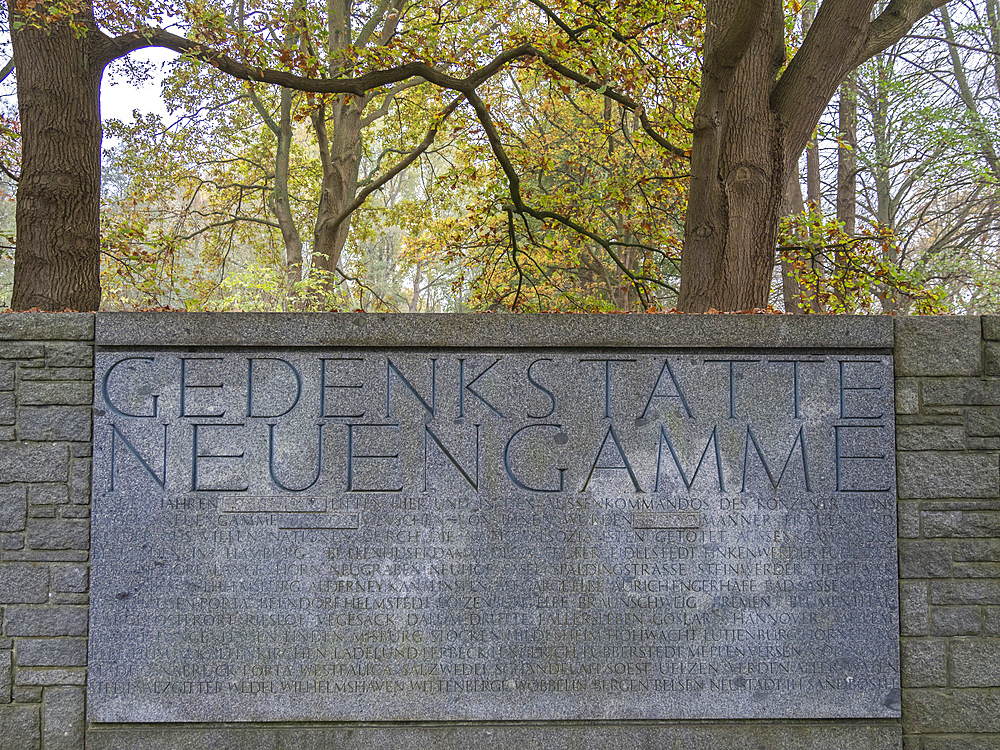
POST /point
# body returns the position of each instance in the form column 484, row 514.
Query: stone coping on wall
column 494, row 330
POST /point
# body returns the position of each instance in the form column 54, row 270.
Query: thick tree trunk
column 281, row 205
column 750, row 127
column 339, row 148
column 57, row 260
column 737, row 167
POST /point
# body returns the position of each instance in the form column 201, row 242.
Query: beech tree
column 753, row 118
column 755, row 114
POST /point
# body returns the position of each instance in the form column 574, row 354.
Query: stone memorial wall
column 555, row 531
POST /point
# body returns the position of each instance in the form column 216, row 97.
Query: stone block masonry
column 947, row 393
column 948, row 443
column 46, row 386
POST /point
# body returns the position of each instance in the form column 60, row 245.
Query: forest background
column 244, row 196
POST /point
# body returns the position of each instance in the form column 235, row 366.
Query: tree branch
column 735, row 41
column 892, row 24
column 360, row 85
column 362, row 195
column 7, row 69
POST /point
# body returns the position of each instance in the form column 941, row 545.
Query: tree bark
column 751, row 125
column 339, row 140
column 814, row 186
column 737, row 162
column 282, row 205
column 792, row 205
column 57, row 261
column 415, row 297
column 847, row 163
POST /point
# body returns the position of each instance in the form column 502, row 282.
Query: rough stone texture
column 71, row 579
column 974, row 662
column 63, row 718
column 560, row 563
column 34, row 327
column 13, row 507
column 961, row 523
column 19, row 727
column 950, row 577
column 927, row 474
column 58, row 534
column 565, row 737
column 64, row 354
column 52, row 652
column 438, row 330
column 6, row 675
column 930, row 438
column 940, row 711
column 34, row 462
column 46, row 621
column 946, row 346
column 907, row 395
column 961, row 742
column 23, row 583
column 54, row 423
column 992, row 357
column 991, row 327
column 46, row 392
column 924, row 662
column 955, row 620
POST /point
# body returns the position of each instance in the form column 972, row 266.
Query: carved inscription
column 434, row 535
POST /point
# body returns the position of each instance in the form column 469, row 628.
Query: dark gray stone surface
column 63, row 719
column 23, row 583
column 522, row 330
column 492, row 534
column 991, row 327
column 941, row 346
column 928, row 474
column 19, row 727
column 13, row 507
column 45, row 621
column 567, row 736
column 47, row 327
column 33, row 462
column 52, row 652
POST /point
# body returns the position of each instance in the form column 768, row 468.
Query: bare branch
column 6, row 70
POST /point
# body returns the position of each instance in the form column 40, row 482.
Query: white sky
column 119, row 97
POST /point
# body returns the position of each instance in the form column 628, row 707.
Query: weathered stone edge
column 608, row 736
column 46, row 326
column 991, row 327
column 500, row 330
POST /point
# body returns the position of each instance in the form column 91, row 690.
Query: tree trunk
column 282, row 206
column 340, row 150
column 751, row 125
column 791, row 205
column 814, row 187
column 57, row 261
column 737, row 166
column 847, row 168
column 415, row 297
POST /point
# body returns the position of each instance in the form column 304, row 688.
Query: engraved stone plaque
column 492, row 534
